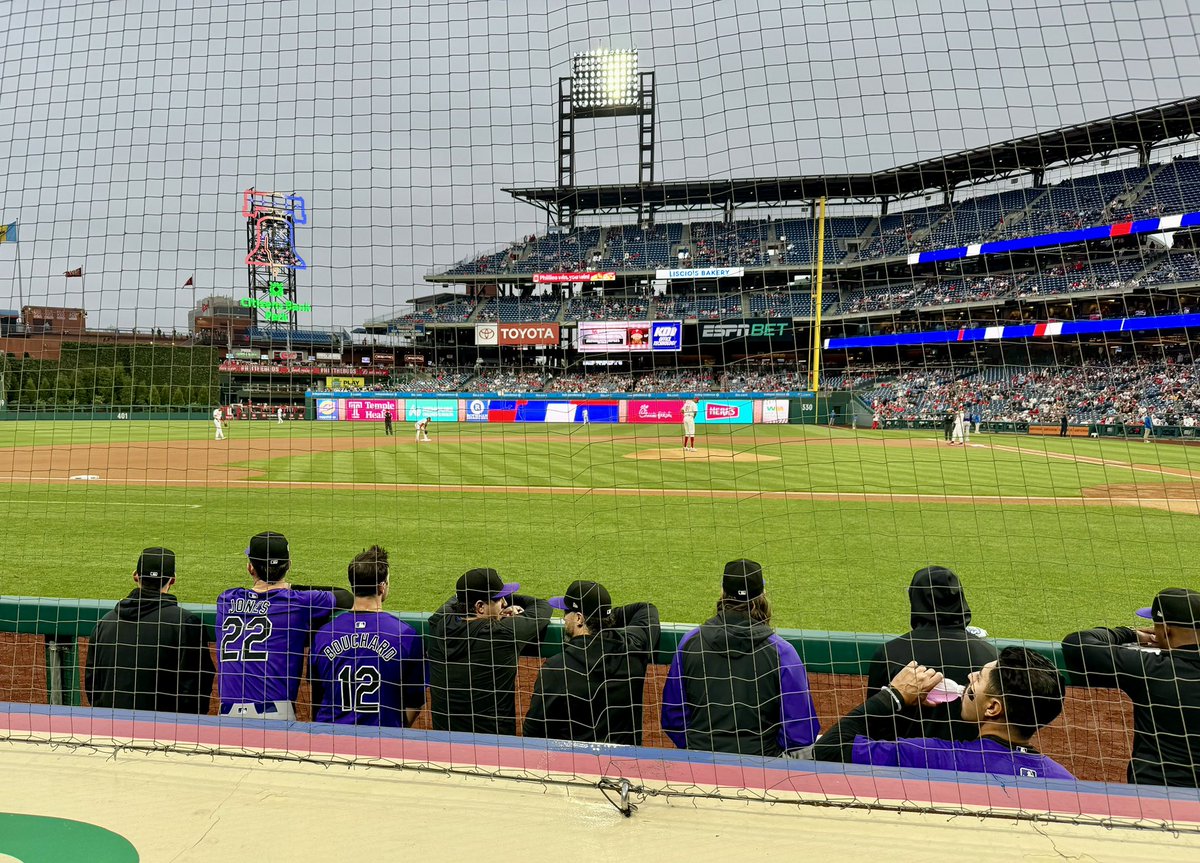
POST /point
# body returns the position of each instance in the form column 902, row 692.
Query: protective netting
column 377, row 329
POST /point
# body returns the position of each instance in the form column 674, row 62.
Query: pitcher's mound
column 701, row 454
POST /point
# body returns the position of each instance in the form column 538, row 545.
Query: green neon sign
column 277, row 307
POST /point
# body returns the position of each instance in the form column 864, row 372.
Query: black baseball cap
column 743, row 580
column 156, row 562
column 1177, row 606
column 268, row 550
column 587, row 597
column 483, row 584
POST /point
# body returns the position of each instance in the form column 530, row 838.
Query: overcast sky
column 127, row 134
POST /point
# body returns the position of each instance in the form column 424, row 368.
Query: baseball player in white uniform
column 690, row 409
column 279, row 414
column 218, row 422
column 423, row 429
column 956, row 435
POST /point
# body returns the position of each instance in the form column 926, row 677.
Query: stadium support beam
column 820, row 284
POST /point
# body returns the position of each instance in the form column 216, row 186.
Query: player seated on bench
column 1010, row 699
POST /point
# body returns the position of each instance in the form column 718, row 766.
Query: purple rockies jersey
column 261, row 639
column 977, row 756
column 367, row 667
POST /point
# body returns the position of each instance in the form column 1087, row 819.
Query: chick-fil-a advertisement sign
column 638, row 411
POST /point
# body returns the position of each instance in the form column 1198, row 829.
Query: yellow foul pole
column 818, row 296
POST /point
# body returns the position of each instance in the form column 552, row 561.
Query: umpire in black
column 1162, row 680
column 592, row 691
column 472, row 646
column 148, row 653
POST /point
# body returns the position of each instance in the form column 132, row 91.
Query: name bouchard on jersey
column 361, row 640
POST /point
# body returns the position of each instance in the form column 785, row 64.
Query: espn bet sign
column 752, row 329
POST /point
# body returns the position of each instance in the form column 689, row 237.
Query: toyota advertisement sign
column 625, row 336
column 497, row 334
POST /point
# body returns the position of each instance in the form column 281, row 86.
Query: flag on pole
column 8, row 233
column 189, row 283
column 76, row 273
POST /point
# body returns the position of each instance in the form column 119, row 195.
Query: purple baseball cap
column 483, row 584
column 1175, row 605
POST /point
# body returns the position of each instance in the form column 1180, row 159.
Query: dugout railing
column 63, row 622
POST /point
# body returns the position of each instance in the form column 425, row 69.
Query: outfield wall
column 737, row 408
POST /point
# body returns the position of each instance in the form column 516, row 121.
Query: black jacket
column 592, row 691
column 473, row 665
column 1165, row 690
column 939, row 639
column 735, row 686
column 150, row 654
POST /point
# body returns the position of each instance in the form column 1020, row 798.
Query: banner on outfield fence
column 437, row 410
column 761, row 328
column 327, row 409
column 516, row 334
column 725, row 411
column 775, row 410
column 345, row 383
column 567, row 278
column 621, row 336
column 541, row 411
column 702, row 273
column 367, row 410
column 657, row 411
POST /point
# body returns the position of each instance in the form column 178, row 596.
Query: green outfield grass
column 1034, row 570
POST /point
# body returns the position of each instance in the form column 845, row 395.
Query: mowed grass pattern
column 1032, row 570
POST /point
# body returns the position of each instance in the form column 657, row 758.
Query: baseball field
column 1048, row 534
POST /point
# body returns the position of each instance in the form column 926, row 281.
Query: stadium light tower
column 604, row 83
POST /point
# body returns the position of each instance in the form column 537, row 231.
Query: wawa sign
column 516, row 334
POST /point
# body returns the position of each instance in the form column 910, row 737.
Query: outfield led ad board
column 541, row 411
column 436, row 410
column 600, row 337
column 363, row 409
column 725, row 411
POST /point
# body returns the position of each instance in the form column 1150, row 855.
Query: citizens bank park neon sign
column 273, row 219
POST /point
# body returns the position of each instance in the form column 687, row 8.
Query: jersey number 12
column 355, row 686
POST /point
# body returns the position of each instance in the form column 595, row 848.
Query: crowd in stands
column 764, row 380
column 505, row 381
column 677, row 380
column 1077, row 202
column 594, row 308
column 1109, row 394
column 939, row 697
column 590, row 382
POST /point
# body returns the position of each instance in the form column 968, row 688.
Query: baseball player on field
column 217, row 421
column 690, row 409
column 423, row 429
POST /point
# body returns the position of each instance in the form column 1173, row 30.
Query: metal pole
column 816, row 339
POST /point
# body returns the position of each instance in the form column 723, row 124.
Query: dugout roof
column 1137, row 130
